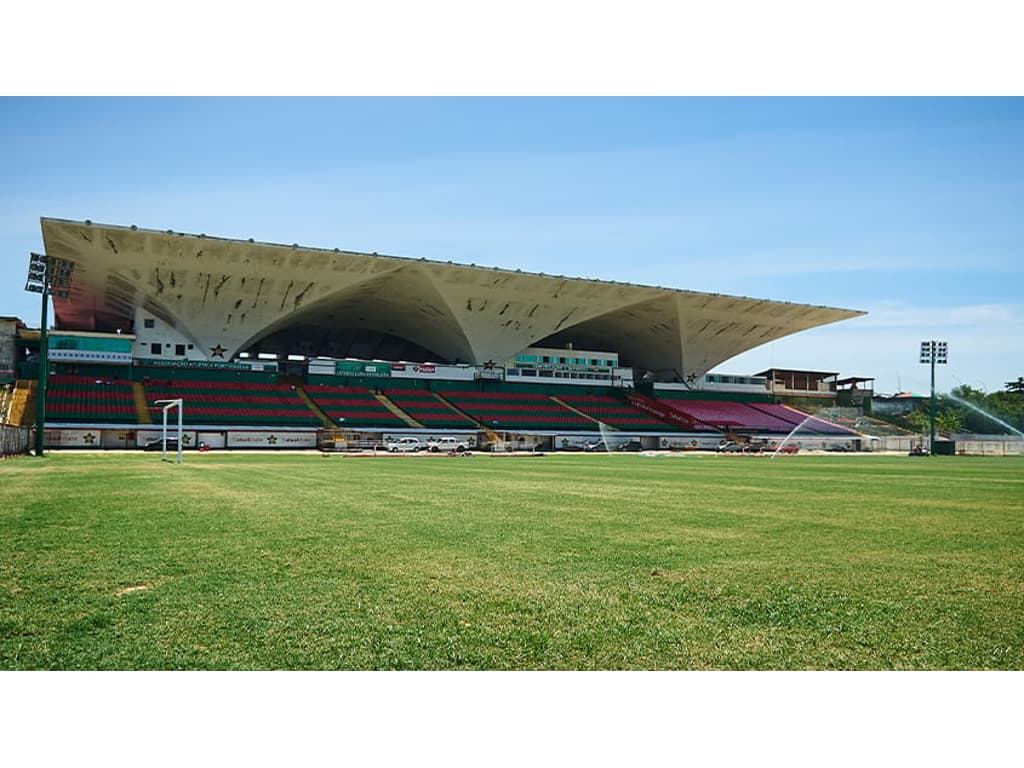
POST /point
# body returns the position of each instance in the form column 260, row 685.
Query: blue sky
column 909, row 209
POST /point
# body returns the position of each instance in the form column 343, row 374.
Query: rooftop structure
column 224, row 297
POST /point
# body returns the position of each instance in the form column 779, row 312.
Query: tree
column 918, row 420
column 968, row 393
column 950, row 420
column 1006, row 406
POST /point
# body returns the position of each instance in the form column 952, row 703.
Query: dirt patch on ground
column 139, row 587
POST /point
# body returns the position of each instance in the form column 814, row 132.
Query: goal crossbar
column 167, row 406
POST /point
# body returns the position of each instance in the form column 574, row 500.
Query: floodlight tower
column 933, row 352
column 47, row 275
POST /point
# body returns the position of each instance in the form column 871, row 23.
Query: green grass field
column 242, row 561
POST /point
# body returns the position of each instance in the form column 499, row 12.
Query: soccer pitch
column 623, row 561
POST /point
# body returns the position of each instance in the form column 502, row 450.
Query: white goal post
column 168, row 405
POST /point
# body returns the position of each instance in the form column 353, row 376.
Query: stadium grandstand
column 283, row 346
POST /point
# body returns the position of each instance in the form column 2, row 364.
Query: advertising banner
column 118, row 438
column 271, row 439
column 207, row 364
column 73, row 438
column 142, row 437
column 212, row 439
column 356, row 368
column 689, row 443
column 423, row 370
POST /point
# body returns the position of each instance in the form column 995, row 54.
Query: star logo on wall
column 218, row 351
column 89, row 437
column 272, row 440
column 691, row 378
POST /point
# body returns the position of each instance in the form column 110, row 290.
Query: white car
column 405, row 445
column 448, row 444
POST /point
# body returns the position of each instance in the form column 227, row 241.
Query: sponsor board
column 118, row 438
column 354, row 368
column 689, row 443
column 211, row 439
column 205, row 364
column 271, row 440
column 142, row 437
column 569, row 442
column 446, row 372
column 73, row 438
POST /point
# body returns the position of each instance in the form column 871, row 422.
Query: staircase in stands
column 386, row 402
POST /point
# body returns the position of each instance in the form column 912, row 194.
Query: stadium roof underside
column 236, row 296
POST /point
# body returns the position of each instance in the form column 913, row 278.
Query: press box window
column 154, row 349
column 179, row 349
column 148, row 322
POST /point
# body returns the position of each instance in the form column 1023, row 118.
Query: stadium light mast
column 933, row 352
column 47, row 275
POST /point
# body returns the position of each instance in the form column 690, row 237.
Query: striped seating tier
column 616, row 413
column 427, row 409
column 90, row 399
column 723, row 414
column 357, row 406
column 809, row 423
column 518, row 410
column 242, row 403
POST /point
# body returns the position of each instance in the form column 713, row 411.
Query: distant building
column 8, row 348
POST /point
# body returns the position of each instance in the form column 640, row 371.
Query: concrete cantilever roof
column 230, row 294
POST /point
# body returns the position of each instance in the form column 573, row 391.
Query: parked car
column 447, row 444
column 405, row 445
column 729, row 446
column 629, row 445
